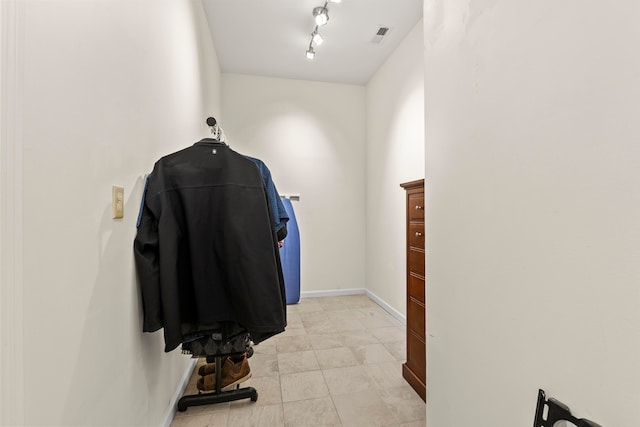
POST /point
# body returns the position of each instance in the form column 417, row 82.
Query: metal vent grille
column 380, row 34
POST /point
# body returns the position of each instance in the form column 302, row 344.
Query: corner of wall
column 11, row 306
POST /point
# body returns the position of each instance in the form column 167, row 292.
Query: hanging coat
column 206, row 249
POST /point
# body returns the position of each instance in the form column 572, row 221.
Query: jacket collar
column 210, row 141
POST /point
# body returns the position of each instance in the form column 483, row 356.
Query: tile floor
column 339, row 363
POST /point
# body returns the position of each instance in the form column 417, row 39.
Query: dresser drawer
column 415, row 206
column 415, row 317
column 416, row 235
column 415, row 288
column 416, row 261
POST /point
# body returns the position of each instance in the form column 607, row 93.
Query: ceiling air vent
column 382, row 32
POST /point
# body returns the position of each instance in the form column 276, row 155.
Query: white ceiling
column 270, row 37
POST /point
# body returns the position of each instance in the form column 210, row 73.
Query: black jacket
column 206, row 250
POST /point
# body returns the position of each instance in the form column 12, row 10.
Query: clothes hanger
column 216, row 130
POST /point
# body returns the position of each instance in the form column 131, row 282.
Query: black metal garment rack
column 556, row 411
column 205, row 261
column 215, row 345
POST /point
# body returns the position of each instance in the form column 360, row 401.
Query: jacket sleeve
column 146, row 254
column 278, row 212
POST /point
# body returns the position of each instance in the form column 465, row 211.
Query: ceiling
column 270, row 38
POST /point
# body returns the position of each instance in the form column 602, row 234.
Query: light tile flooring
column 339, row 363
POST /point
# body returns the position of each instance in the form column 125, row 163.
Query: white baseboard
column 182, row 386
column 392, row 311
column 332, row 293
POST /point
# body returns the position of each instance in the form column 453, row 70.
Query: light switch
column 117, row 202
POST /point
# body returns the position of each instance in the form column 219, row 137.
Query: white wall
column 311, row 135
column 10, row 296
column 532, row 213
column 104, row 89
column 395, row 154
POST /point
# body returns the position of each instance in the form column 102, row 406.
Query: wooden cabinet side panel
column 414, row 370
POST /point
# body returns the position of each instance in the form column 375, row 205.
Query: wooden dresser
column 415, row 368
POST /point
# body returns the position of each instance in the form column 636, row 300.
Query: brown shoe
column 234, row 371
column 209, row 368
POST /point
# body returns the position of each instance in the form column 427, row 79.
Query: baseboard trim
column 392, row 311
column 182, row 386
column 332, row 293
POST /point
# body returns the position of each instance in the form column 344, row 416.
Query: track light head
column 310, row 53
column 321, row 15
column 316, row 38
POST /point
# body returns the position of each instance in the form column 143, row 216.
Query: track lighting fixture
column 321, row 16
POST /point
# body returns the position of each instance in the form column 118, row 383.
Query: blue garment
column 280, row 215
column 144, row 192
column 290, row 257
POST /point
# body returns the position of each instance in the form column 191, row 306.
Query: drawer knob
column 418, row 207
column 418, row 234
